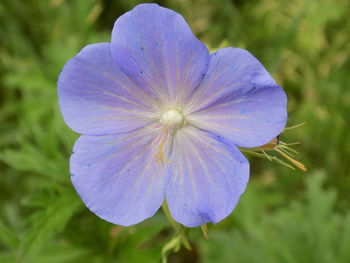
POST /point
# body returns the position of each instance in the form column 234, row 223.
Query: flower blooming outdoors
column 161, row 119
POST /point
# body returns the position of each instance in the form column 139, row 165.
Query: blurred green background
column 284, row 216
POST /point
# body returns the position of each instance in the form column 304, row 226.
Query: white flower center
column 172, row 119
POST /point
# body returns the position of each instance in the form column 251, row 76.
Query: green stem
column 178, row 228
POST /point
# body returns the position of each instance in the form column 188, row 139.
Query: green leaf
column 8, row 237
column 48, row 221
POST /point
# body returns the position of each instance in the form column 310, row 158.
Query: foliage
column 303, row 231
column 291, row 217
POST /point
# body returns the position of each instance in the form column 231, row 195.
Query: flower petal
column 207, row 178
column 117, row 176
column 155, row 47
column 239, row 100
column 96, row 98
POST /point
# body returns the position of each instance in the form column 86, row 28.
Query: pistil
column 171, row 121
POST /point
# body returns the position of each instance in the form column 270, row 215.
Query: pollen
column 172, row 118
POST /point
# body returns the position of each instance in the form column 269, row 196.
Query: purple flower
column 162, row 118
